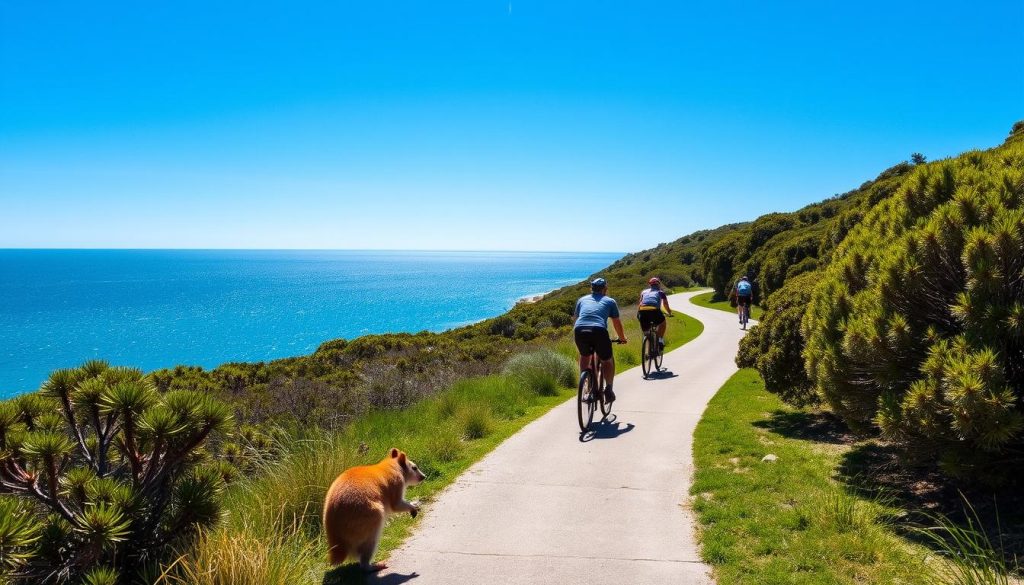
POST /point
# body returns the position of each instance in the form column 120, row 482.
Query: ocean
column 159, row 308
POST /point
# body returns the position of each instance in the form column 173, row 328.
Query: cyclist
column 744, row 293
column 649, row 310
column 591, row 331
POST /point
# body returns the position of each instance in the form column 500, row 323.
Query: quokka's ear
column 401, row 459
column 394, row 452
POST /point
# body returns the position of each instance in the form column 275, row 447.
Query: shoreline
column 531, row 299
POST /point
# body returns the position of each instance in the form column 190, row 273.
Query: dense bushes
column 102, row 474
column 775, row 345
column 918, row 326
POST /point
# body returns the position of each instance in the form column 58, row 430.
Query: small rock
column 770, row 457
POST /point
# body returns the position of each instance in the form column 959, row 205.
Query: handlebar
column 619, row 341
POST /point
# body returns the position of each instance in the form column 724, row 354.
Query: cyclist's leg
column 662, row 327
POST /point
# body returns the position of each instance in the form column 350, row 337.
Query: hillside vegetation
column 897, row 305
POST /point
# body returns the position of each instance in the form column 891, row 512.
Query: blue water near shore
column 158, row 308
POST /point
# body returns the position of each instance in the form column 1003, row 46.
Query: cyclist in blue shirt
column 591, row 331
column 649, row 309
column 744, row 295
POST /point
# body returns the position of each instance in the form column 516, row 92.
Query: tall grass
column 544, row 371
column 272, row 533
column 973, row 558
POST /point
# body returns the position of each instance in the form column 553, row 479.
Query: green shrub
column 775, row 346
column 113, row 472
column 477, row 421
column 918, row 327
column 444, row 446
column 542, row 371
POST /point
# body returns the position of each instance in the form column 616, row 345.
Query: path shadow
column 608, row 428
column 351, row 574
column 819, row 427
column 663, row 374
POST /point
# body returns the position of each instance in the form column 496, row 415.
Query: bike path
column 548, row 507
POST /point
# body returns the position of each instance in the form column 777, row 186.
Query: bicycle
column 744, row 315
column 590, row 393
column 651, row 352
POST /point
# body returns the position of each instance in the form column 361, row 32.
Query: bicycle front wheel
column 585, row 404
column 659, row 358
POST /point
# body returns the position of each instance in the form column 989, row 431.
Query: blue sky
column 474, row 125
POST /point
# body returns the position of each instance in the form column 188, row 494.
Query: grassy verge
column 272, row 535
column 788, row 521
column 704, row 300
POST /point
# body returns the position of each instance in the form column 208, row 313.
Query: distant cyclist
column 744, row 296
column 649, row 310
column 591, row 331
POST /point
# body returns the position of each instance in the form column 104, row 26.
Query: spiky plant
column 918, row 327
column 102, row 473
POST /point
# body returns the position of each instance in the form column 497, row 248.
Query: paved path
column 546, row 507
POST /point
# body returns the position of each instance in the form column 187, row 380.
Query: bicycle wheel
column 659, row 358
column 584, row 403
column 606, row 407
column 746, row 315
column 645, row 353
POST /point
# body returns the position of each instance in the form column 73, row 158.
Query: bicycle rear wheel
column 645, row 355
column 585, row 404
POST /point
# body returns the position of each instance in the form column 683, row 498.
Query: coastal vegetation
column 108, row 473
column 894, row 310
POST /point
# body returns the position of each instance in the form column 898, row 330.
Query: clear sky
column 530, row 125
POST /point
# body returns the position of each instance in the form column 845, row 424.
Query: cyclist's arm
column 664, row 300
column 618, row 329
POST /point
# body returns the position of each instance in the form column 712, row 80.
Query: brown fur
column 359, row 502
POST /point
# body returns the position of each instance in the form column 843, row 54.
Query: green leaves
column 42, row 445
column 110, row 468
column 19, row 531
column 102, row 526
column 127, row 398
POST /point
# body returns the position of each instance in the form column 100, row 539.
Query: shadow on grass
column 351, row 574
column 819, row 427
column 873, row 471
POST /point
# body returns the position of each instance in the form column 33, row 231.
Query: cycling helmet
column 744, row 277
column 598, row 283
column 654, row 281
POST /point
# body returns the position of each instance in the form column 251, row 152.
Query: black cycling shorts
column 743, row 300
column 650, row 319
column 591, row 339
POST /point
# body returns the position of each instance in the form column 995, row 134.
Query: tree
column 918, row 159
column 918, row 327
column 105, row 472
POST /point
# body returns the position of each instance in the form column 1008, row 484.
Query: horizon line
column 200, row 249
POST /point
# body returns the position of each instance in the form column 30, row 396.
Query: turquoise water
column 159, row 308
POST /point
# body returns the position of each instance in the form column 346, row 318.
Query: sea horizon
column 161, row 307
